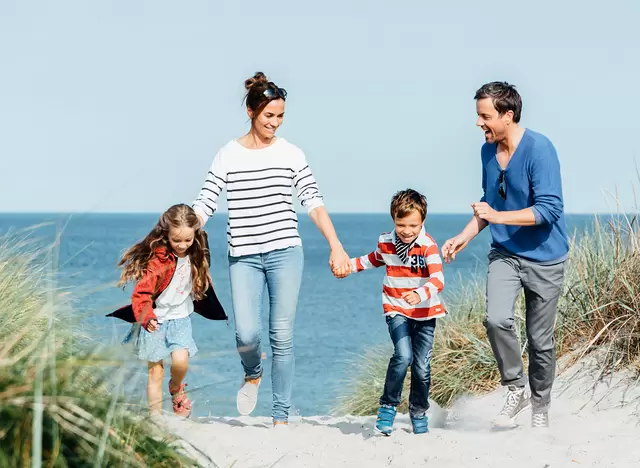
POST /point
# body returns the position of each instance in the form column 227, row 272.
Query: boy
column 411, row 304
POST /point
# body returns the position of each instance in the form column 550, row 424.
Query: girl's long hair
column 135, row 260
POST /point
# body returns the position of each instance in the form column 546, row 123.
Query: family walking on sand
column 521, row 202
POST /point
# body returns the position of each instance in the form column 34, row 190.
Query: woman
column 265, row 250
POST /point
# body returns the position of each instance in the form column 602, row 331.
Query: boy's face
column 408, row 228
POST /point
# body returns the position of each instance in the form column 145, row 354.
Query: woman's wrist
column 335, row 245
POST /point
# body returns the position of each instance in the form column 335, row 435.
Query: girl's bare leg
column 154, row 387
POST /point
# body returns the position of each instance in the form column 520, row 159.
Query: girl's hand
column 411, row 297
column 152, row 325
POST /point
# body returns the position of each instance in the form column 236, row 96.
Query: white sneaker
column 517, row 401
column 248, row 396
column 539, row 419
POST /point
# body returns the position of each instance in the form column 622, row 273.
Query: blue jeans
column 280, row 271
column 413, row 344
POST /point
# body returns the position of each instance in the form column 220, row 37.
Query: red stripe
column 418, row 313
column 432, row 250
column 374, row 260
column 437, row 283
column 387, row 248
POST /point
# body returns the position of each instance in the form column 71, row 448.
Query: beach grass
column 599, row 309
column 60, row 399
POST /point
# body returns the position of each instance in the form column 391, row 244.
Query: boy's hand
column 453, row 246
column 411, row 297
column 340, row 273
column 152, row 325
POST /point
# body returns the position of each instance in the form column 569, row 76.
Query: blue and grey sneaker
column 420, row 424
column 384, row 422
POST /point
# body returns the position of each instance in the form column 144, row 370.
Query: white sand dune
column 590, row 427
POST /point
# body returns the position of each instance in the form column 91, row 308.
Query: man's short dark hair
column 504, row 97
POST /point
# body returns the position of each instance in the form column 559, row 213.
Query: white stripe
column 245, row 231
column 434, row 259
column 397, row 302
column 393, row 260
column 366, row 264
column 398, row 282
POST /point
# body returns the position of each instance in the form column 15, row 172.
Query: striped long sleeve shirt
column 422, row 273
column 259, row 186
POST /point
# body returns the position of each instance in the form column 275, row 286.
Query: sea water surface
column 337, row 320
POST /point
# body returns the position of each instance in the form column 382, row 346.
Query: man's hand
column 483, row 211
column 411, row 297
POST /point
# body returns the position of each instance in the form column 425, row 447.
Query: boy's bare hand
column 152, row 325
column 411, row 297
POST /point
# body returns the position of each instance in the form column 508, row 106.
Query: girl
column 170, row 267
column 259, row 171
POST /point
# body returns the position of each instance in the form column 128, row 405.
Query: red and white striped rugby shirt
column 422, row 273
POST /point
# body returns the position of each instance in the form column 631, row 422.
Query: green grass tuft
column 55, row 406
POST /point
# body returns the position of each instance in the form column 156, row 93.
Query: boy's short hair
column 406, row 201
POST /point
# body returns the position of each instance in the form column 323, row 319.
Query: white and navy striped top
column 259, row 185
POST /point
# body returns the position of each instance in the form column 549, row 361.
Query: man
column 523, row 205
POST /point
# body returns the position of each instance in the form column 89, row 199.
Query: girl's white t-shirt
column 176, row 301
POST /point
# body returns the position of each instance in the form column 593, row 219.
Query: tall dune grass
column 599, row 308
column 55, row 407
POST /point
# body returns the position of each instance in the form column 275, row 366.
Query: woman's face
column 268, row 121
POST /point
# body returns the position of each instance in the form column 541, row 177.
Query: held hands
column 340, row 263
column 152, row 325
column 411, row 297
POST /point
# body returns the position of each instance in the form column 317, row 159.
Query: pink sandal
column 181, row 403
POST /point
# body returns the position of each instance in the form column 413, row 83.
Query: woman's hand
column 340, row 262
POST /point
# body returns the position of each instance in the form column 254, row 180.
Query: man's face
column 491, row 122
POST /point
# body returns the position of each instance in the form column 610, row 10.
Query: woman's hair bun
column 257, row 79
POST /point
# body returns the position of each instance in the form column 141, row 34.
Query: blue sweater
column 532, row 181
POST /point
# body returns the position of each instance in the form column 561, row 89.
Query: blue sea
column 336, row 319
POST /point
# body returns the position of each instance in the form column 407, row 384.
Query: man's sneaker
column 420, row 424
column 517, row 402
column 539, row 419
column 384, row 421
column 248, row 396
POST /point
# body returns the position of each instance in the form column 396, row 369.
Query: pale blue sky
column 121, row 105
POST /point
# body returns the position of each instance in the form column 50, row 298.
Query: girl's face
column 268, row 121
column 181, row 239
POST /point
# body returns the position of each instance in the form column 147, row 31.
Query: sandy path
column 589, row 428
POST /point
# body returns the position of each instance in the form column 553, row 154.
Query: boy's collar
column 417, row 241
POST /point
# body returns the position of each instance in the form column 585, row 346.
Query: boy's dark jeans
column 413, row 343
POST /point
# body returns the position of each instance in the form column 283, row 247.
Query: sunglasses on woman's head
column 502, row 185
column 273, row 92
